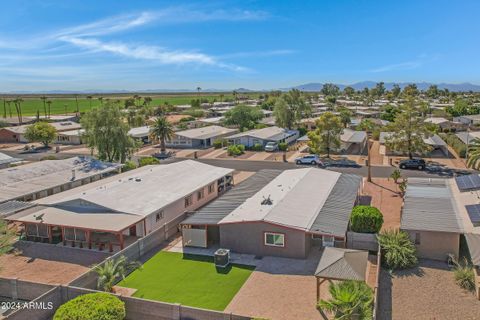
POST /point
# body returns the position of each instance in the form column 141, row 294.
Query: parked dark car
column 413, row 164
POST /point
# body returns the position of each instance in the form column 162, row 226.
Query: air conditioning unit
column 222, row 258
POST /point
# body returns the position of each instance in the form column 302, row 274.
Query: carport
column 341, row 264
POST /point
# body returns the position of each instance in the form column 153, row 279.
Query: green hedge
column 129, row 165
column 217, row 144
column 366, row 219
column 147, row 161
column 257, row 147
column 282, row 146
column 93, row 306
column 453, row 141
column 236, row 149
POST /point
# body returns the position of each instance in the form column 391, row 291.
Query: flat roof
column 38, row 176
column 352, row 136
column 139, row 132
column 468, row 136
column 205, row 132
column 4, row 159
column 298, row 198
column 145, row 190
column 436, row 120
column 268, row 133
column 433, row 140
column 59, row 126
column 429, row 205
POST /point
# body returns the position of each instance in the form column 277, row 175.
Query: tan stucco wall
column 436, row 245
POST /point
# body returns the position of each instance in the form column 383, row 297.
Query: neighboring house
column 199, row 137
column 433, row 141
column 43, row 178
column 277, row 213
column 6, row 160
column 353, row 142
column 70, row 137
column 263, row 136
column 445, row 124
column 13, row 121
column 59, row 118
column 429, row 216
column 117, row 210
column 141, row 133
column 467, row 137
column 468, row 119
column 17, row 133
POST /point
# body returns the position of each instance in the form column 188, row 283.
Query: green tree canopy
column 107, row 132
column 41, row 132
column 326, row 136
column 409, row 130
column 349, row 91
column 243, row 116
column 290, row 108
column 389, row 112
column 330, row 89
column 366, row 219
column 92, row 306
column 462, row 107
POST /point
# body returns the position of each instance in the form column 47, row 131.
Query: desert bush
column 236, row 150
column 398, row 251
column 147, row 161
column 366, row 219
column 463, row 273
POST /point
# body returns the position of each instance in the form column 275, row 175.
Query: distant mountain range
column 389, row 85
column 310, row 87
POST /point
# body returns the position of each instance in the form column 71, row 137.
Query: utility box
column 222, row 258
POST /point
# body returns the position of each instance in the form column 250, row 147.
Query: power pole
column 369, row 177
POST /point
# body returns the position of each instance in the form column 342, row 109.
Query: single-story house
column 141, row 133
column 199, row 137
column 468, row 136
column 59, row 118
column 353, row 142
column 433, row 141
column 6, row 160
column 277, row 213
column 430, row 216
column 17, row 133
column 14, row 121
column 117, row 210
column 263, row 136
column 468, row 119
column 70, row 137
column 445, row 124
column 43, row 178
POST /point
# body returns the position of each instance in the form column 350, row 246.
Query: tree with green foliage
column 345, row 116
column 161, row 130
column 107, row 132
column 462, row 107
column 432, row 92
column 398, row 251
column 380, row 89
column 92, row 306
column 113, row 270
column 235, row 150
column 326, row 136
column 349, row 91
column 389, row 112
column 330, row 89
column 396, row 90
column 409, row 130
column 349, row 300
column 290, row 108
column 243, row 116
column 410, row 90
column 396, row 175
column 366, row 219
column 42, row 132
column 473, row 160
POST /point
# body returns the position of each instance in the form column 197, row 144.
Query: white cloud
column 398, row 66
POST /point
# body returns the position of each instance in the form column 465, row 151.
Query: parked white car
column 309, row 159
column 271, row 146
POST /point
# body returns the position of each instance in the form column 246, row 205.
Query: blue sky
column 134, row 45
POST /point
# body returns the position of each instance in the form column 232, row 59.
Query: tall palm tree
column 89, row 98
column 161, row 130
column 9, row 102
column 49, row 103
column 4, row 108
column 101, row 100
column 473, row 160
column 44, row 99
column 18, row 107
column 198, row 90
column 113, row 270
column 76, row 101
column 350, row 300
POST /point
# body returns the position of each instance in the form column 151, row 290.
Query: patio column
column 49, row 234
column 319, row 284
column 89, row 239
column 120, row 235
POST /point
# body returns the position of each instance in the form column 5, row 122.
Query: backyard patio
column 190, row 280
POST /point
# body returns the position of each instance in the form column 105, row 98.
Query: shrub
column 398, row 251
column 396, row 174
column 129, row 165
column 376, row 134
column 464, row 274
column 257, row 147
column 282, row 146
column 453, row 141
column 236, row 150
column 217, row 144
column 195, row 112
column 92, row 306
column 147, row 161
column 51, row 157
column 366, row 219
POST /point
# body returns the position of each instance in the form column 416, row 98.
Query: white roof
column 436, row 120
column 211, row 120
column 297, row 197
column 59, row 126
column 144, row 190
column 38, row 176
column 269, row 133
column 139, row 132
column 205, row 132
column 77, row 132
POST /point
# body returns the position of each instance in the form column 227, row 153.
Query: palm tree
column 49, row 103
column 474, row 154
column 161, row 130
column 44, row 99
column 113, row 270
column 89, row 98
column 65, row 106
column 198, row 90
column 4, row 108
column 9, row 107
column 18, row 107
column 350, row 300
column 76, row 101
column 101, row 100
column 235, row 93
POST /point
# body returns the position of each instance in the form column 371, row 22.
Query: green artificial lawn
column 188, row 280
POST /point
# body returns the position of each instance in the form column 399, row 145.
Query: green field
column 62, row 104
column 191, row 281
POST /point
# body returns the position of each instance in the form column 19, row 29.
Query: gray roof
column 428, row 206
column 342, row 264
column 473, row 241
column 10, row 207
column 352, row 136
column 206, row 132
column 4, row 159
column 219, row 208
column 335, row 214
column 270, row 133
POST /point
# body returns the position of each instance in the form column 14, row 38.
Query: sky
column 140, row 45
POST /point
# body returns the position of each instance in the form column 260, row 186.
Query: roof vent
column 138, row 179
column 267, row 201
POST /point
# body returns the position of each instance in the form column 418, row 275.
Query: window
column 211, row 188
column 274, row 239
column 200, row 194
column 188, row 201
column 417, row 238
column 159, row 216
